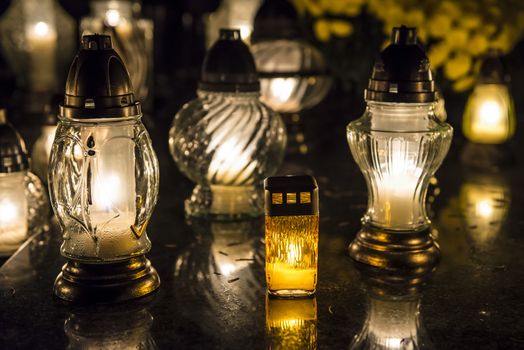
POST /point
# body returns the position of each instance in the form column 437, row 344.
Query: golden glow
column 112, row 17
column 282, row 88
column 13, row 212
column 305, row 197
column 484, row 208
column 291, row 324
column 291, row 198
column 489, row 116
column 291, row 254
column 41, row 29
column 276, row 198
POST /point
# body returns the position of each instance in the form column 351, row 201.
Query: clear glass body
column 391, row 324
column 288, row 90
column 227, row 143
column 398, row 147
column 238, row 14
column 291, row 324
column 38, row 42
column 291, row 255
column 489, row 116
column 132, row 38
column 23, row 209
column 42, row 151
column 103, row 180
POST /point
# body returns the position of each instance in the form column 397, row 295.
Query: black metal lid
column 98, row 84
column 229, row 65
column 13, row 154
column 291, row 195
column 402, row 72
column 492, row 69
column 276, row 19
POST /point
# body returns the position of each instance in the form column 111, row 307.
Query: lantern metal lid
column 291, row 195
column 229, row 65
column 13, row 153
column 402, row 73
column 276, row 19
column 492, row 69
column 98, row 84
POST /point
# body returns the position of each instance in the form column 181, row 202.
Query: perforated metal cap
column 98, row 84
column 402, row 72
column 291, row 195
column 13, row 153
column 229, row 65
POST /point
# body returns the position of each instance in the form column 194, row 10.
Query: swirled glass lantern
column 38, row 42
column 489, row 117
column 23, row 199
column 292, row 71
column 132, row 37
column 226, row 140
column 398, row 144
column 103, row 178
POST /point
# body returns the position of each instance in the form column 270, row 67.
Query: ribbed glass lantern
column 292, row 71
column 226, row 140
column 132, row 37
column 398, row 144
column 103, row 180
column 23, row 200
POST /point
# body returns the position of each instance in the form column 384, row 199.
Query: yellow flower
column 457, row 66
column 414, row 18
column 505, row 40
column 321, row 29
column 464, row 83
column 488, row 29
column 457, row 37
column 470, row 21
column 439, row 25
column 353, row 10
column 477, row 44
column 438, row 54
column 341, row 28
column 451, row 9
column 313, row 7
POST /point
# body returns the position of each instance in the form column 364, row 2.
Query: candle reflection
column 291, row 323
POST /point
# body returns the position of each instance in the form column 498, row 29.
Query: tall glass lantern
column 132, row 37
column 103, row 180
column 226, row 140
column 398, row 144
column 23, row 200
column 38, row 42
column 489, row 117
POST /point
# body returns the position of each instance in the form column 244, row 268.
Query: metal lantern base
column 81, row 282
column 395, row 250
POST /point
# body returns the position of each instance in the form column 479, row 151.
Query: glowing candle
column 41, row 39
column 291, row 235
column 13, row 212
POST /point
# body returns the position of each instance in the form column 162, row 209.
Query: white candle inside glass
column 41, row 39
column 13, row 212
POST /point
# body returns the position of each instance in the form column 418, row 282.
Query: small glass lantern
column 226, row 140
column 292, row 218
column 38, row 42
column 291, row 324
column 489, row 117
column 103, row 180
column 23, row 199
column 292, row 72
column 42, row 148
column 398, row 144
column 132, row 37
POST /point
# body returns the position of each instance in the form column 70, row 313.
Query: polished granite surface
column 213, row 286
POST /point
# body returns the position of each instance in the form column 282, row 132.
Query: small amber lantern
column 291, row 324
column 291, row 235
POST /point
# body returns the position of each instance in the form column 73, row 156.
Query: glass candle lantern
column 42, row 148
column 292, row 71
column 489, row 117
column 23, row 199
column 37, row 40
column 103, row 179
column 398, row 143
column 292, row 218
column 291, row 324
column 132, row 37
column 226, row 140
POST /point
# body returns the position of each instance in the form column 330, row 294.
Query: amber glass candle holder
column 291, row 235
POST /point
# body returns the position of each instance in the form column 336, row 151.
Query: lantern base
column 225, row 202
column 395, row 250
column 81, row 282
